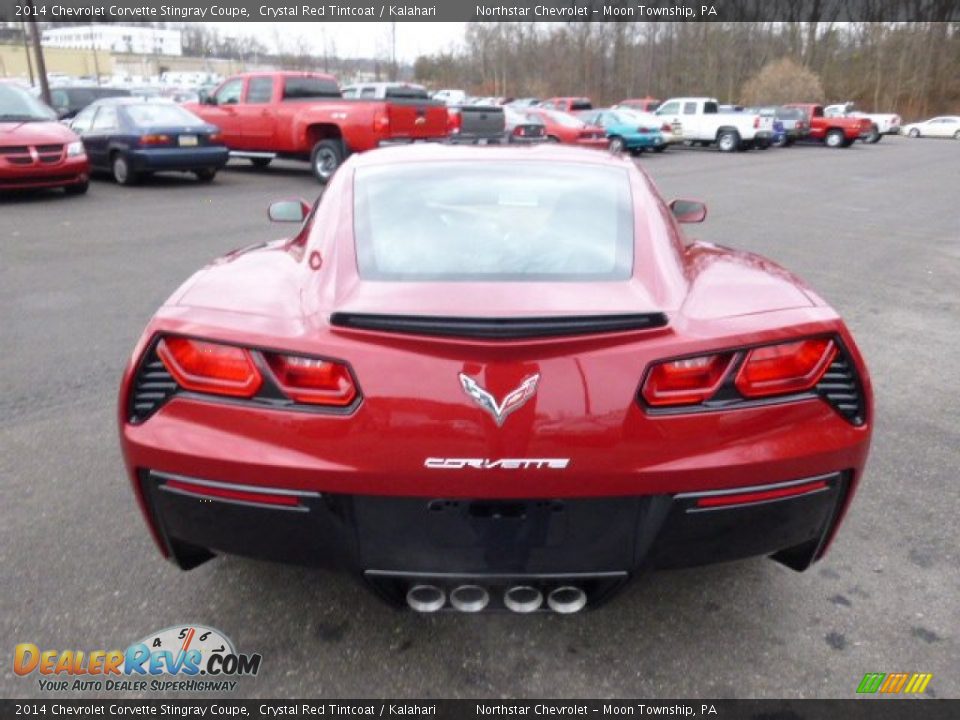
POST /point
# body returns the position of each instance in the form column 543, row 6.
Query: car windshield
column 411, row 92
column 156, row 114
column 493, row 221
column 17, row 105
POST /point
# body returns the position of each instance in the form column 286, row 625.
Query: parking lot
column 874, row 229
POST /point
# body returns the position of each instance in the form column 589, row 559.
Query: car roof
column 438, row 152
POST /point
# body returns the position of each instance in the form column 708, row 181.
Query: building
column 116, row 39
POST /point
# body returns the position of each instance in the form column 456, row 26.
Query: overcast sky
column 355, row 39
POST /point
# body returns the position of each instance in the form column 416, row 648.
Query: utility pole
column 26, row 50
column 38, row 49
column 393, row 51
column 96, row 62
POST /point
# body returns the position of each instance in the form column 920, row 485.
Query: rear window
column 308, row 88
column 156, row 115
column 493, row 222
column 581, row 105
column 411, row 92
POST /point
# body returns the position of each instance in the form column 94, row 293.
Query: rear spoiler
column 506, row 328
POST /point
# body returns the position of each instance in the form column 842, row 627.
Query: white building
column 116, row 38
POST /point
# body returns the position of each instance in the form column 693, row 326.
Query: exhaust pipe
column 469, row 598
column 567, row 600
column 425, row 598
column 523, row 599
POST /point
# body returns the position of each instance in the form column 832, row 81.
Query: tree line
column 908, row 67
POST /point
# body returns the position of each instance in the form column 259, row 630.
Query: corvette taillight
column 685, row 382
column 313, row 381
column 209, row 367
column 784, row 368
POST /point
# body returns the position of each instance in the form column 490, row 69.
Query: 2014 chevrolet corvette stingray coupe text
column 488, row 378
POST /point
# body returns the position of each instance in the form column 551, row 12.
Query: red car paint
column 852, row 128
column 586, row 407
column 568, row 129
column 271, row 124
column 34, row 154
column 644, row 104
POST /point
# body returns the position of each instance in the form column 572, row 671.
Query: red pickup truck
column 303, row 116
column 835, row 132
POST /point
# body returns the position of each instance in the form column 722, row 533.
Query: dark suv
column 68, row 101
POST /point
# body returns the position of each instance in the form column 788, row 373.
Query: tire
column 914, row 133
column 553, row 139
column 206, row 175
column 78, row 188
column 616, row 145
column 834, row 139
column 874, row 137
column 788, row 142
column 780, row 142
column 260, row 163
column 847, row 143
column 120, row 168
column 728, row 141
column 659, row 148
column 325, row 158
column 956, row 135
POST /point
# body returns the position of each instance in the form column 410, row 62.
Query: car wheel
column 616, row 145
column 261, row 163
column 659, row 148
column 205, row 175
column 122, row 172
column 956, row 135
column 77, row 188
column 874, row 136
column 728, row 141
column 914, row 133
column 325, row 159
column 780, row 141
column 835, row 139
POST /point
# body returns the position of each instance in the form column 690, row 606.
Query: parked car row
column 130, row 133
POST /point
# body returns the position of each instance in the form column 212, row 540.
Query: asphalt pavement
column 874, row 229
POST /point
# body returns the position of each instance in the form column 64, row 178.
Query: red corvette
column 494, row 378
column 35, row 150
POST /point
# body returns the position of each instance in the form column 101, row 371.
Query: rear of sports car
column 523, row 418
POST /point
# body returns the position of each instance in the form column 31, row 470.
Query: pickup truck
column 880, row 123
column 467, row 123
column 834, row 132
column 698, row 120
column 303, row 116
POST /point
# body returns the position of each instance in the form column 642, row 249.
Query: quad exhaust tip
column 523, row 599
column 426, row 598
column 469, row 598
column 567, row 600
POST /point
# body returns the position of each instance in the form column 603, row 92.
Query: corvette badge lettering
column 502, row 463
column 513, row 400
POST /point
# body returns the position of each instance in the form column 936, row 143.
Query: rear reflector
column 313, row 381
column 785, row 368
column 264, row 498
column 687, row 381
column 210, row 367
column 761, row 495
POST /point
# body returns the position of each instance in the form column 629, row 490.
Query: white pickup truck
column 880, row 123
column 698, row 120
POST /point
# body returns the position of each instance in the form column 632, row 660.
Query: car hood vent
column 501, row 328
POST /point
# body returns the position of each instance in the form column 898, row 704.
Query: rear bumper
column 475, row 139
column 396, row 541
column 185, row 159
column 70, row 171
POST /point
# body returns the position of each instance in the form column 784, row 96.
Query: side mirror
column 207, row 99
column 293, row 211
column 688, row 211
